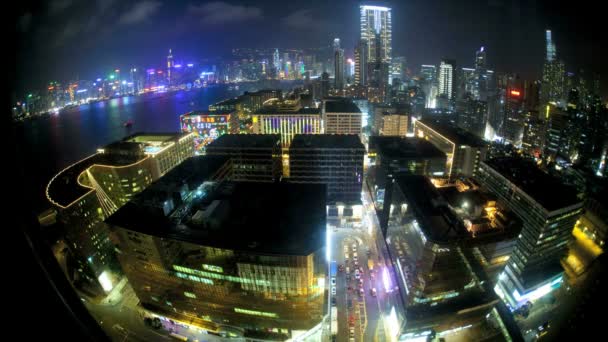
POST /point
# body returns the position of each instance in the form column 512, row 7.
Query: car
column 354, row 246
column 333, row 290
column 333, row 301
column 347, row 270
column 346, row 256
column 356, row 263
column 355, row 255
column 373, row 292
column 333, row 281
column 361, row 292
column 357, row 276
column 542, row 330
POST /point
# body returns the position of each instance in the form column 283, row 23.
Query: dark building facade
column 334, row 160
column 254, row 157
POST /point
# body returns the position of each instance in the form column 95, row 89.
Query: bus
column 334, row 321
column 333, row 270
column 179, row 337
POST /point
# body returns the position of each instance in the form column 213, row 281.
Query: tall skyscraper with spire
column 169, row 66
column 552, row 89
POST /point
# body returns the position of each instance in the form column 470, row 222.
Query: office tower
column 341, row 116
column 350, row 70
column 361, row 52
column 391, row 120
column 336, row 43
column 189, row 251
column 254, row 157
column 464, row 150
column 394, row 124
column 208, row 126
column 552, row 89
column 324, row 84
column 88, row 191
column 431, row 235
column 551, row 51
column 446, row 79
column 548, row 210
column 533, row 141
column 532, row 96
column 339, row 68
column 276, row 64
column 557, row 135
column 483, row 82
column 513, row 122
column 467, row 84
column 376, row 31
column 480, row 59
column 287, row 120
column 429, row 72
column 170, row 66
column 398, row 68
column 334, row 160
column 473, row 117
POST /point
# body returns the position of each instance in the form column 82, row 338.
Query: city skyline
column 422, row 32
column 409, row 171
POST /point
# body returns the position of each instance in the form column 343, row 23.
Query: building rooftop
column 276, row 111
column 227, row 214
column 206, row 113
column 438, row 223
column 64, row 188
column 403, row 148
column 454, row 134
column 327, row 141
column 340, row 105
column 545, row 189
column 245, row 141
column 228, row 102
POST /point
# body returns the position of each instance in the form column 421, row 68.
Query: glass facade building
column 189, row 248
column 548, row 210
column 88, row 191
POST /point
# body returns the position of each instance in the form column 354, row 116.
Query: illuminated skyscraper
column 551, row 50
column 553, row 75
column 169, row 66
column 376, row 20
column 548, row 210
column 480, row 59
column 336, row 43
column 446, row 78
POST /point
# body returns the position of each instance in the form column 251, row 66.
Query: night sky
column 65, row 39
